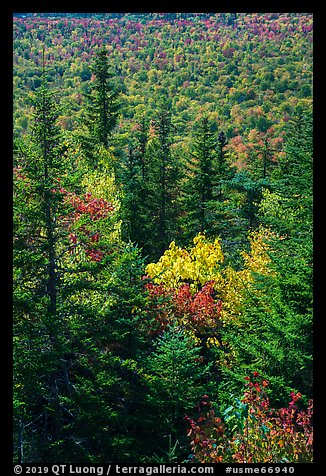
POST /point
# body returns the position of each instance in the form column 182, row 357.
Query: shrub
column 249, row 431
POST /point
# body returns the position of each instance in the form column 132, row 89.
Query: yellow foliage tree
column 197, row 266
column 256, row 261
column 101, row 183
column 202, row 264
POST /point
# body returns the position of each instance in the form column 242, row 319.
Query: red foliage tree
column 86, row 212
column 197, row 312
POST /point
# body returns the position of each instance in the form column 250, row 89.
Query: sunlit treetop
column 197, row 266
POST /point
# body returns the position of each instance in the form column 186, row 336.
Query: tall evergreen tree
column 38, row 321
column 103, row 101
column 222, row 142
column 177, row 383
column 163, row 178
column 207, row 173
column 133, row 174
column 251, row 191
column 289, row 206
column 200, row 181
column 70, row 325
column 142, row 136
column 101, row 108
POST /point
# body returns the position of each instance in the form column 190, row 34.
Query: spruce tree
column 38, row 323
column 200, row 181
column 101, row 109
column 163, row 178
column 222, row 142
column 251, row 191
column 72, row 320
column 133, row 174
column 203, row 197
column 103, row 105
column 177, row 382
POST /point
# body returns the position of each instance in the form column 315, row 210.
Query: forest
column 162, row 238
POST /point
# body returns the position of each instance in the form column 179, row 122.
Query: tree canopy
column 162, row 251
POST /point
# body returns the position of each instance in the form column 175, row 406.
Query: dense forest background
column 162, row 237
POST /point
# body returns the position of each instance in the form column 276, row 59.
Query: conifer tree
column 68, row 311
column 277, row 313
column 38, row 323
column 207, row 173
column 103, row 105
column 251, row 191
column 221, row 143
column 142, row 136
column 163, row 177
column 201, row 179
column 101, row 109
column 126, row 290
column 133, row 174
column 177, row 382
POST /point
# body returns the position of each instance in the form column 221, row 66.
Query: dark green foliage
column 162, row 184
column 101, row 107
column 275, row 340
column 178, row 380
column 125, row 290
column 199, row 181
column 206, row 175
column 68, row 316
column 133, row 174
column 176, row 383
column 221, row 144
column 292, row 183
column 200, row 127
column 276, row 337
column 38, row 324
column 251, row 196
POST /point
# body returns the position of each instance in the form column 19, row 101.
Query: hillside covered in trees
column 162, row 251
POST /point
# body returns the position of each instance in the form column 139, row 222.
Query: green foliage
column 102, row 106
column 273, row 338
column 175, row 382
column 162, row 183
column 162, row 139
column 125, row 291
column 277, row 316
column 251, row 191
column 292, row 183
column 133, row 174
column 38, row 324
column 177, row 378
column 67, row 301
column 201, row 178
